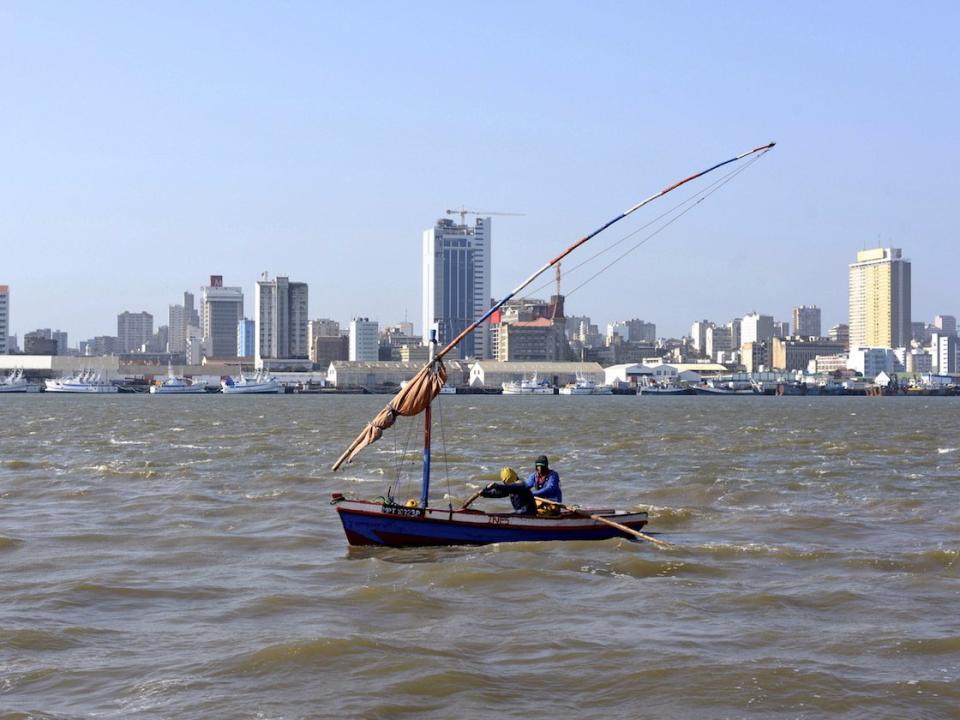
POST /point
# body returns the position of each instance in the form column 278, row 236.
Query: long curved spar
column 423, row 388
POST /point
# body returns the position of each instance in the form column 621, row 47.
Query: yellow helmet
column 508, row 475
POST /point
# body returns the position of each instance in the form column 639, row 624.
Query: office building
column 364, row 340
column 756, row 328
column 879, row 299
column 221, row 309
column 280, row 312
column 181, row 317
column 841, row 334
column 246, row 337
column 781, row 329
column 39, row 342
column 718, row 340
column 698, row 335
column 806, row 321
column 4, row 319
column 134, row 330
column 323, row 328
column 945, row 324
column 943, row 353
column 456, row 284
column 795, row 353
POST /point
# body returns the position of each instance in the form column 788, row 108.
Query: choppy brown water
column 172, row 557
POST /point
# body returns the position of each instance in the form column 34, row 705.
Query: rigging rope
column 693, row 200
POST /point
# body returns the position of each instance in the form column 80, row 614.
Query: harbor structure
column 280, row 314
column 4, row 319
column 456, row 283
column 492, row 374
column 134, row 330
column 221, row 308
column 806, row 321
column 879, row 299
column 364, row 340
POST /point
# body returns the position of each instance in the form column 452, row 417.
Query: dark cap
column 542, row 460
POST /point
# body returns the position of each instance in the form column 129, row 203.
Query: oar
column 611, row 523
column 470, row 500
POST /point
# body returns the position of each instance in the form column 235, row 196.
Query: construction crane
column 463, row 212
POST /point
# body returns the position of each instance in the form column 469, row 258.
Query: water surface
column 171, row 557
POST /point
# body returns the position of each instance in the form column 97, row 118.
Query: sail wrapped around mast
column 412, row 400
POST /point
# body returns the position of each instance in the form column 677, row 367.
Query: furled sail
column 413, row 399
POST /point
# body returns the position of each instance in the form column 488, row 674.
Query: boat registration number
column 499, row 520
column 404, row 511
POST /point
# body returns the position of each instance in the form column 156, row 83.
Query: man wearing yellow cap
column 510, row 486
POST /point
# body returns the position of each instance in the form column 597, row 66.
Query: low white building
column 492, row 374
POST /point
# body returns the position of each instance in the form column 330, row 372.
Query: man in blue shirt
column 544, row 482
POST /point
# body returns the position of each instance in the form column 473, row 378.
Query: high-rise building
column 456, row 283
column 280, row 312
column 756, row 328
column 4, row 319
column 841, row 334
column 781, row 329
column 246, row 336
column 221, row 309
column 181, row 318
column 943, row 353
column 880, row 299
column 945, row 324
column 322, row 328
column 364, row 340
column 134, row 330
column 718, row 340
column 806, row 321
column 698, row 335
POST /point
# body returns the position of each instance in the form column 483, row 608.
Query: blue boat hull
column 368, row 523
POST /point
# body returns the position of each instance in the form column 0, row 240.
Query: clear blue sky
column 146, row 146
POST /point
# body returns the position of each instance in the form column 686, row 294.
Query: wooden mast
column 427, row 422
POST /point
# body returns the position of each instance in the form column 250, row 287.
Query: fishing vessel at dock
column 528, row 387
column 177, row 385
column 85, row 382
column 392, row 522
column 582, row 386
column 15, row 382
column 262, row 383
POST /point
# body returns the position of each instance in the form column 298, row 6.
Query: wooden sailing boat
column 386, row 522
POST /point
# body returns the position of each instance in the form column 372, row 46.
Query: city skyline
column 142, row 137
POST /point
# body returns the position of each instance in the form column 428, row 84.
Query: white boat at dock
column 85, row 382
column 177, row 385
column 528, row 387
column 582, row 386
column 15, row 382
column 262, row 383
